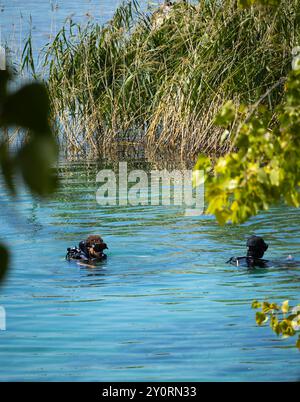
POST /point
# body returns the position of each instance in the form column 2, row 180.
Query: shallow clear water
column 164, row 306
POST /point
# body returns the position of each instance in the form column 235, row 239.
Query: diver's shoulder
column 248, row 262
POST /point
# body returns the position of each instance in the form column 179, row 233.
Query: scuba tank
column 82, row 253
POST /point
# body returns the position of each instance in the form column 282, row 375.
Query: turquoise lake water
column 164, row 306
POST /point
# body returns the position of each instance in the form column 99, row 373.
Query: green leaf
column 255, row 304
column 275, row 325
column 266, row 307
column 287, row 328
column 4, row 77
column 221, row 217
column 224, row 136
column 274, row 306
column 4, row 261
column 285, row 307
column 28, row 108
column 226, row 115
column 262, row 176
column 203, row 164
column 269, row 307
column 35, row 160
column 7, row 167
column 296, row 323
column 274, row 177
column 261, row 318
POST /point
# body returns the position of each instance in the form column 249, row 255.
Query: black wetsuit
column 81, row 253
column 249, row 262
column 256, row 249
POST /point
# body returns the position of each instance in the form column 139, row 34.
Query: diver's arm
column 86, row 265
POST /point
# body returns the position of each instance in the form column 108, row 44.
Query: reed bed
column 159, row 78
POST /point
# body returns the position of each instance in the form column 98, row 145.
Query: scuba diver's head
column 92, row 247
column 94, row 239
column 96, row 242
column 256, row 247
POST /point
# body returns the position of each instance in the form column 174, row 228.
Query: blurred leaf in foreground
column 4, row 260
column 28, row 109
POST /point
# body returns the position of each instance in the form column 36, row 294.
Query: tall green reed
column 160, row 78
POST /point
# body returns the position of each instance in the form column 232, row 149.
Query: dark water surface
column 164, row 306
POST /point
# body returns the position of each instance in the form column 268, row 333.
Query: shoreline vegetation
column 158, row 78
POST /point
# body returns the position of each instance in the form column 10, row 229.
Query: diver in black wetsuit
column 89, row 250
column 256, row 249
